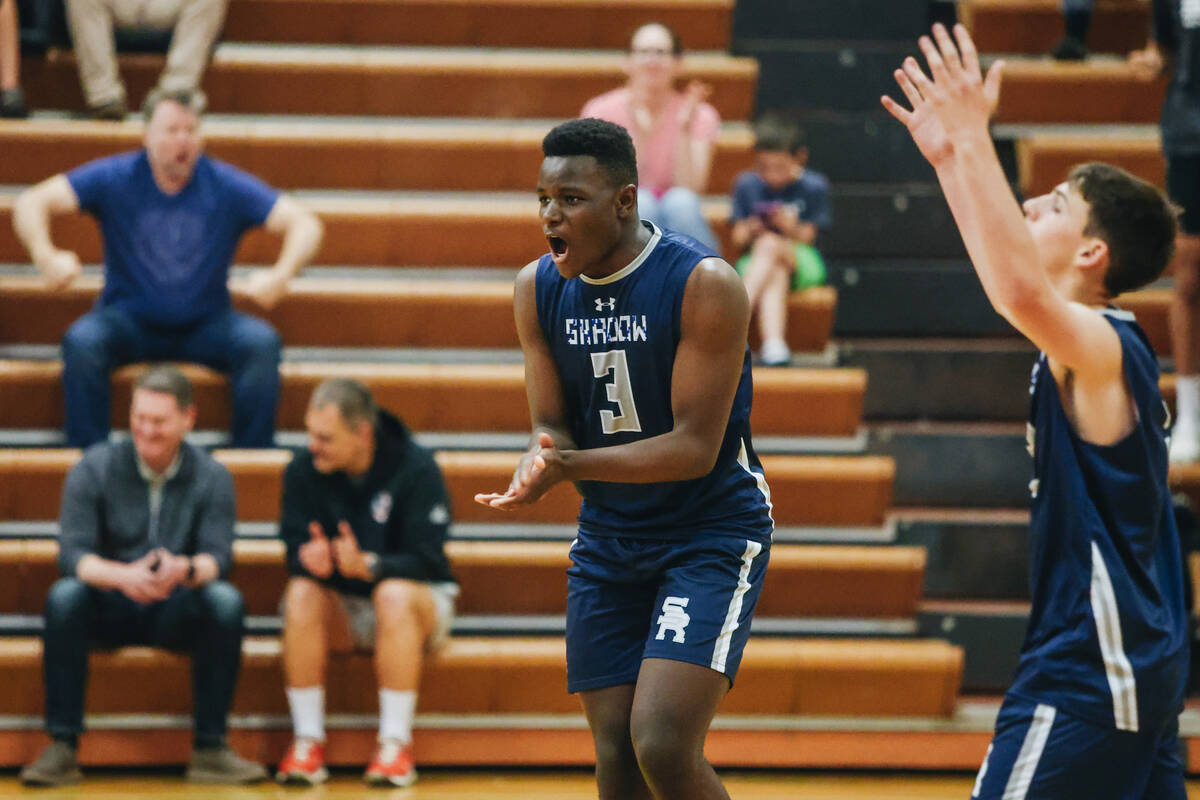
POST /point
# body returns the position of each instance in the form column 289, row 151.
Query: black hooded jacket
column 398, row 510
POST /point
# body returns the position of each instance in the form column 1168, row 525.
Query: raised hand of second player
column 958, row 101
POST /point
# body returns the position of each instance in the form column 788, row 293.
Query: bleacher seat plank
column 482, row 156
column 1036, row 26
column 805, row 490
column 420, row 82
column 334, row 312
column 700, row 24
column 1093, row 91
column 530, row 578
column 434, row 397
column 862, row 677
column 459, row 230
column 1045, row 159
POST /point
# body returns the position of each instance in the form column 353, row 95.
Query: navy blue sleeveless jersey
column 613, row 341
column 1107, row 638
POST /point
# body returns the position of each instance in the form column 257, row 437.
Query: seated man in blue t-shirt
column 171, row 219
column 779, row 207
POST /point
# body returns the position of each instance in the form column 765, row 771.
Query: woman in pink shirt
column 673, row 131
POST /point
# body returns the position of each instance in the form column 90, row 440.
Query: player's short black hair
column 607, row 142
column 1133, row 218
column 780, row 133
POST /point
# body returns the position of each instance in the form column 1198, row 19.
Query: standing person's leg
column 92, row 23
column 683, row 213
column 249, row 349
column 1183, row 175
column 618, row 776
column 196, row 24
column 610, row 605
column 95, row 345
column 672, row 709
column 1077, row 20
column 697, row 635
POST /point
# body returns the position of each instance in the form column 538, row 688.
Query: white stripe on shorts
column 721, row 651
column 1121, row 681
column 1021, row 777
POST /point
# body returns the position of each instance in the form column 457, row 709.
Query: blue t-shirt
column 167, row 257
column 809, row 194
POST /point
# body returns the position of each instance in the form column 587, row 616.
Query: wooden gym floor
column 490, row 785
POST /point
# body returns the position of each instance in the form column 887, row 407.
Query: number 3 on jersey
column 619, row 391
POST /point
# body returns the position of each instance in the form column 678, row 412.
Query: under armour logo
column 610, row 305
column 673, row 619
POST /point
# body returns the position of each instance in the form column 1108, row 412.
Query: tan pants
column 196, row 24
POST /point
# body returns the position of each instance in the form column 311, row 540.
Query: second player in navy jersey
column 638, row 377
column 1093, row 710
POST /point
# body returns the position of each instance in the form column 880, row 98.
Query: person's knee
column 679, row 202
column 66, row 602
column 661, row 748
column 304, row 602
column 224, row 604
column 770, row 245
column 85, row 342
column 258, row 342
column 398, row 601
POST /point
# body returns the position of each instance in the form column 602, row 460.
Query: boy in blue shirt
column 171, row 219
column 779, row 207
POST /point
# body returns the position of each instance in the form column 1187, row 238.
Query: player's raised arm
column 949, row 123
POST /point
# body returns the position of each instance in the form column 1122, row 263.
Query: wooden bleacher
column 452, row 189
column 1035, row 26
column 434, row 397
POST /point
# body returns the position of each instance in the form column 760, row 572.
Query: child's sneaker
column 304, row 763
column 392, row 764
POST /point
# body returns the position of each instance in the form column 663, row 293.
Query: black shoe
column 12, row 104
column 1070, row 49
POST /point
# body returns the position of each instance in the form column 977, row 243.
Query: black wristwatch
column 372, row 562
column 190, row 578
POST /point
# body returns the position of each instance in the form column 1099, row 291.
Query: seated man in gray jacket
column 145, row 543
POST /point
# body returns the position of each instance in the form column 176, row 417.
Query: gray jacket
column 106, row 509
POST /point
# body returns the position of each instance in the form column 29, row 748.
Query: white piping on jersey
column 1117, row 669
column 1021, row 777
column 632, row 265
column 721, row 650
column 744, row 459
column 1119, row 313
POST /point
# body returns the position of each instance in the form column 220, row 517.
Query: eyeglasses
column 659, row 52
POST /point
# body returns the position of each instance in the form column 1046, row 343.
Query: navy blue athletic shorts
column 1040, row 752
column 683, row 599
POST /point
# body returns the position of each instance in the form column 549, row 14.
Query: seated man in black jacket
column 365, row 516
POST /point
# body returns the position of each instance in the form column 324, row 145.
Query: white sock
column 308, row 712
column 396, row 711
column 1187, row 401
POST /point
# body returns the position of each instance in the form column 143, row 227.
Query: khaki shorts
column 360, row 611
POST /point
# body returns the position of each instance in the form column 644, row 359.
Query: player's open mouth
column 558, row 247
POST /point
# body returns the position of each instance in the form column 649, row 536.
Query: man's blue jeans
column 207, row 621
column 245, row 347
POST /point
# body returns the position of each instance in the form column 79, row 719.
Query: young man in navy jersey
column 638, row 378
column 1093, row 710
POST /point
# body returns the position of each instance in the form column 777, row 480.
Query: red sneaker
column 304, row 763
column 392, row 764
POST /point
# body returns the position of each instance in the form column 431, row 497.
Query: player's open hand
column 957, row 101
column 316, row 555
column 539, row 469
